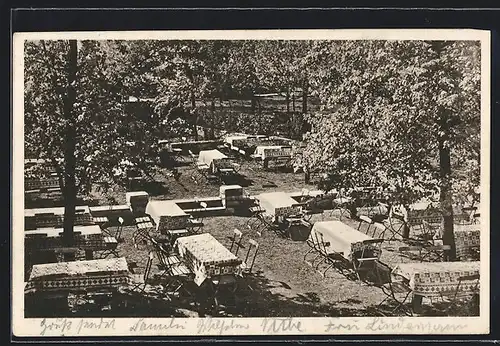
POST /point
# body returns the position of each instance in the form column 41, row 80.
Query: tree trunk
column 445, row 197
column 293, row 101
column 70, row 189
column 287, row 100
column 305, row 87
column 212, row 125
column 195, row 116
column 253, row 104
column 306, row 127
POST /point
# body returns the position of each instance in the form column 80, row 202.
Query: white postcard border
column 247, row 326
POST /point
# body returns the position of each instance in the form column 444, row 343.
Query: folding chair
column 395, row 223
column 143, row 280
column 252, row 245
column 142, row 219
column 397, row 292
column 309, row 212
column 110, row 244
column 467, row 290
column 368, row 258
column 267, row 223
column 342, row 204
column 365, row 219
column 314, row 246
column 378, row 231
column 193, row 156
column 224, row 286
column 430, row 232
column 174, row 271
column 142, row 233
column 118, row 233
column 175, row 279
column 424, row 252
column 323, row 256
column 194, row 224
column 236, row 239
column 254, row 213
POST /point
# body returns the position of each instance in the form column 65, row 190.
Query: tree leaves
column 382, row 100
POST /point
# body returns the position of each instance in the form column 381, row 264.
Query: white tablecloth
column 206, row 257
column 435, row 278
column 278, row 204
column 343, row 239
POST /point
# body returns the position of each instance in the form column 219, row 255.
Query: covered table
column 269, row 151
column 278, row 204
column 342, row 239
column 110, row 273
column 167, row 215
column 88, row 238
column 235, row 139
column 206, row 257
column 54, row 217
column 437, row 279
column 467, row 239
column 215, row 160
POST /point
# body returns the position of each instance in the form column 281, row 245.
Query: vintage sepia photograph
column 241, row 185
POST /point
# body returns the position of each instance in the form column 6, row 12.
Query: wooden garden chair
column 425, row 253
column 396, row 292
column 456, row 296
column 245, row 265
column 365, row 220
column 174, row 273
column 367, row 259
column 254, row 210
column 322, row 256
column 142, row 233
column 141, row 281
column 195, row 224
column 236, row 240
column 111, row 244
column 193, row 157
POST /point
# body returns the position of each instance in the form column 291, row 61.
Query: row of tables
column 206, row 257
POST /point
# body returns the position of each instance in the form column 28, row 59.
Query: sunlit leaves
column 382, row 106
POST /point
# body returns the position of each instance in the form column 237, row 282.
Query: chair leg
column 308, row 252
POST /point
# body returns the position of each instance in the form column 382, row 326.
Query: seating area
column 212, row 252
column 239, row 250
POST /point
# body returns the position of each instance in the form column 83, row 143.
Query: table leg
column 417, row 303
column 89, row 255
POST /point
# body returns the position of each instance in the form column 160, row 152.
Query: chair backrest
column 255, row 246
column 161, row 253
column 379, row 230
column 473, row 287
column 237, row 235
column 148, row 266
column 366, row 219
column 322, row 245
column 373, row 241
